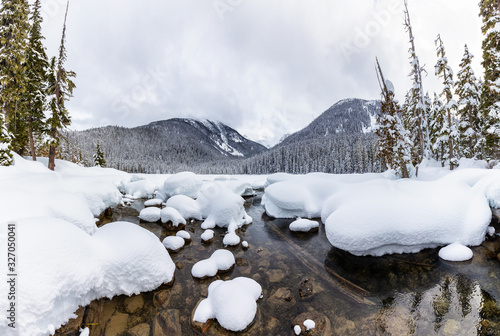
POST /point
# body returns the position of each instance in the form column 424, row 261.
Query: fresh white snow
column 297, row 330
column 187, row 207
column 220, row 260
column 303, row 225
column 173, row 243
column 232, row 303
column 455, row 252
column 309, row 324
column 151, row 214
column 184, row 235
column 170, row 214
column 140, row 189
column 153, row 202
column 207, row 235
column 185, row 183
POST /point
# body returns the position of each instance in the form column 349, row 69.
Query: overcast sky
column 264, row 67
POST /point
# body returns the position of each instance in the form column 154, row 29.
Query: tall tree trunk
column 450, row 142
column 32, row 143
column 52, row 151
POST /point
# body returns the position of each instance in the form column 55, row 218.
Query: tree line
column 33, row 88
column 441, row 127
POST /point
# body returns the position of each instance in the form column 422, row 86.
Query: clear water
column 411, row 294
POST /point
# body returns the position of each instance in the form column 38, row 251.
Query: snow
column 297, row 330
column 63, row 267
column 220, row 260
column 186, row 206
column 185, row 183
column 207, row 235
column 170, row 214
column 85, row 332
column 140, row 189
column 455, row 252
column 184, row 235
column 153, row 202
column 232, row 303
column 309, row 324
column 303, row 225
column 244, row 244
column 173, row 243
column 151, row 214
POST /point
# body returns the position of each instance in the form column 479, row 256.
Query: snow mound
column 170, row 214
column 185, row 183
column 184, row 235
column 232, row 303
column 173, row 243
column 309, row 324
column 140, row 189
column 207, row 235
column 220, row 260
column 151, row 214
column 455, row 252
column 186, row 206
column 303, row 225
column 63, row 268
column 153, row 202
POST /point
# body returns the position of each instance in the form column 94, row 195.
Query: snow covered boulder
column 219, row 261
column 185, row 183
column 405, row 216
column 172, row 218
column 186, row 206
column 232, row 303
column 223, row 208
column 140, row 189
column 184, row 235
column 455, row 252
column 63, row 268
column 155, row 202
column 207, row 236
column 304, row 225
column 151, row 214
column 174, row 243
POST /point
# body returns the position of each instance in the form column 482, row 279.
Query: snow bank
column 185, row 183
column 186, row 206
column 140, row 189
column 232, row 303
column 220, row 260
column 62, row 267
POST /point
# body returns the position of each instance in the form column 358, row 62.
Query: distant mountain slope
column 348, row 116
column 163, row 146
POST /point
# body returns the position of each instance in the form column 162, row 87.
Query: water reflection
column 411, row 294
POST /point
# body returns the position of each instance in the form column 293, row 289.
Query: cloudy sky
column 264, row 67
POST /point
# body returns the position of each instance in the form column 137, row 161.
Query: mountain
column 348, row 116
column 162, row 146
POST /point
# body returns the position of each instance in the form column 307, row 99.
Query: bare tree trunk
column 450, row 142
column 52, row 152
column 32, row 143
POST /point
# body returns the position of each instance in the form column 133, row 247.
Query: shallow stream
column 302, row 276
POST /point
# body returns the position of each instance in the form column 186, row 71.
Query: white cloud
column 263, row 67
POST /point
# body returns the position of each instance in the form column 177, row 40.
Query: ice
column 140, row 189
column 173, row 243
column 220, row 260
column 186, row 206
column 232, row 303
column 170, row 214
column 151, row 214
column 455, row 252
column 185, row 183
column 63, row 267
column 303, row 225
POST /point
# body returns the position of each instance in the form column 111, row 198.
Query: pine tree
column 489, row 10
column 415, row 118
column 98, row 157
column 14, row 27
column 394, row 143
column 60, row 89
column 5, row 144
column 449, row 129
column 37, row 66
column 436, row 124
column 470, row 123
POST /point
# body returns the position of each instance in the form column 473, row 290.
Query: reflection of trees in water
column 455, row 306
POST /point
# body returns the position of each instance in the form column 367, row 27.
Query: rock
column 451, row 328
column 282, row 295
column 142, row 329
column 134, row 303
column 171, row 227
column 98, row 314
column 306, row 289
column 167, row 322
column 179, row 265
column 241, row 262
column 74, row 325
column 161, row 299
column 322, row 327
column 117, row 325
column 275, row 275
column 201, row 327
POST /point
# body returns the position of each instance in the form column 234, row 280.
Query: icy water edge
column 303, row 276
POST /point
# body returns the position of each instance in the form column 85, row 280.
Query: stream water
column 302, row 276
